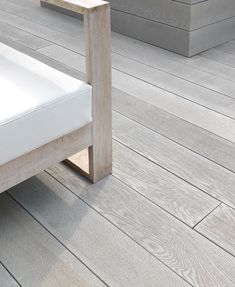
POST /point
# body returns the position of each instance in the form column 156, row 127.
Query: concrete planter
column 183, row 26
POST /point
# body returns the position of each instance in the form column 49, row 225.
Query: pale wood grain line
column 30, row 164
column 190, row 136
column 122, row 44
column 219, row 227
column 98, row 71
column 194, row 113
column 175, row 196
column 6, row 280
column 197, row 170
column 166, row 190
column 34, row 256
column 19, row 36
column 192, row 256
column 113, row 256
column 221, row 57
column 188, row 90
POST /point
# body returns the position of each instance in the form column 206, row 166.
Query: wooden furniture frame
column 96, row 136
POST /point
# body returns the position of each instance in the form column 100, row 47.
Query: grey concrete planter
column 183, row 26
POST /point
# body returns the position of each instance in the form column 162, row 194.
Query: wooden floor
column 166, row 217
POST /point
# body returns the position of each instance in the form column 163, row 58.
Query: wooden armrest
column 79, row 6
column 98, row 70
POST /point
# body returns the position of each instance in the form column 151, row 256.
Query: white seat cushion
column 37, row 104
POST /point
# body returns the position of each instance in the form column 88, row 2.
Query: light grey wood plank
column 158, row 60
column 184, row 163
column 19, row 36
column 148, row 55
column 194, row 138
column 14, row 6
column 138, row 52
column 221, row 57
column 219, row 227
column 207, row 119
column 52, row 19
column 198, row 115
column 176, row 196
column 179, row 86
column 46, row 32
column 112, row 255
column 122, row 44
column 70, row 25
column 186, row 252
column 6, row 280
column 212, row 67
column 228, row 47
column 34, row 256
column 28, row 26
column 222, row 150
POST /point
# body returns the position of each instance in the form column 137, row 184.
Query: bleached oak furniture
column 47, row 116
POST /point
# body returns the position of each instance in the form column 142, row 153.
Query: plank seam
column 168, row 170
column 116, row 226
column 25, row 18
column 10, row 273
column 57, row 239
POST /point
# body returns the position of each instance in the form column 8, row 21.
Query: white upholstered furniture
column 47, row 116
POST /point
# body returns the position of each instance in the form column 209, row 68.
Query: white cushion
column 37, row 104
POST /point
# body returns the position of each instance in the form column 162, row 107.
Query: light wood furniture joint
column 98, row 65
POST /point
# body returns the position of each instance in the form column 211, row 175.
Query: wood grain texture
column 180, row 107
column 194, row 92
column 184, row 163
column 212, row 67
column 113, row 256
column 19, row 36
column 187, row 253
column 178, row 130
column 41, row 158
column 6, row 280
column 151, row 57
column 34, row 256
column 98, row 72
column 99, row 75
column 122, row 44
column 166, row 190
column 179, row 86
column 78, row 6
column 221, row 57
column 219, row 227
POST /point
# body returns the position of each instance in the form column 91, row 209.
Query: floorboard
column 112, row 255
column 33, row 255
column 6, row 279
column 19, row 36
column 221, row 57
column 193, row 257
column 181, row 199
column 200, row 172
column 219, row 227
column 196, row 114
column 169, row 81
column 178, row 130
column 165, row 217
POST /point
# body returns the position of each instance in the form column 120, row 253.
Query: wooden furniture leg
column 98, row 63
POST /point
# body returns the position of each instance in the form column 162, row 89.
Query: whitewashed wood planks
column 219, row 227
column 112, row 255
column 33, row 255
column 189, row 166
column 187, row 253
column 6, row 280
